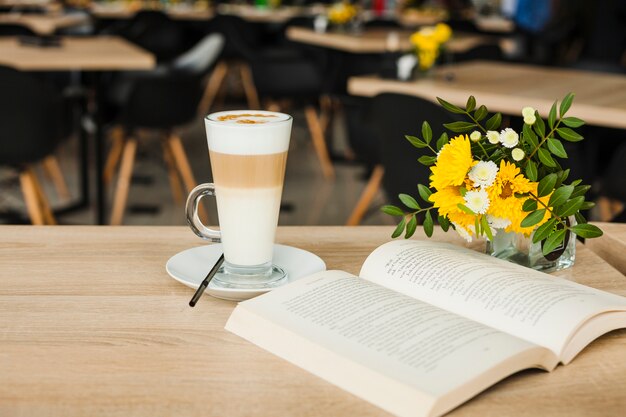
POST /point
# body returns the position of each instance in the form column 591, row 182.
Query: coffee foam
column 248, row 132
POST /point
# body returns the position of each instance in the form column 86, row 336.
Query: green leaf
column 424, row 192
column 580, row 218
column 494, row 122
column 575, row 183
column 531, row 171
column 586, row 230
column 443, row 139
column 392, row 210
column 580, row 190
column 427, row 132
column 544, row 230
column 556, row 147
column 539, row 126
column 477, row 227
column 471, row 104
column 427, row 160
column 529, row 205
column 466, row 209
column 569, row 135
column 486, row 228
column 570, row 207
column 545, row 158
column 417, row 142
column 546, row 185
column 560, row 196
column 481, row 113
column 560, row 177
column 428, row 224
column 529, row 135
column 399, row 228
column 459, row 127
column 462, row 191
column 587, row 205
column 450, row 107
column 410, row 227
column 409, row 201
column 552, row 116
column 444, row 223
column 533, row 218
column 566, row 104
column 572, row 122
column 553, row 241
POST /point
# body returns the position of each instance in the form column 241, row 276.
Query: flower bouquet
column 489, row 180
column 428, row 43
column 342, row 13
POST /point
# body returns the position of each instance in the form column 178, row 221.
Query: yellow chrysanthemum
column 453, row 163
column 447, row 201
column 442, row 33
column 504, row 204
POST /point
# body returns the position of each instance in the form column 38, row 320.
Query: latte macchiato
column 248, row 153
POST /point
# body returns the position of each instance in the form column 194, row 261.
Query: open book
column 427, row 325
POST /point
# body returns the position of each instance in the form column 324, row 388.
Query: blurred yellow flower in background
column 427, row 43
column 341, row 13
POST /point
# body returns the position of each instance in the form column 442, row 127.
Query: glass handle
column 191, row 211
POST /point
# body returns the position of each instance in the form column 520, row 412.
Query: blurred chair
column 486, row 52
column 161, row 100
column 286, row 72
column 612, row 198
column 15, row 29
column 31, row 118
column 396, row 168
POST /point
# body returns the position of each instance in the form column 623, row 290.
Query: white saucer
column 190, row 266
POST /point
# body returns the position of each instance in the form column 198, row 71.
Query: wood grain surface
column 611, row 246
column 44, row 24
column 377, row 40
column 507, row 88
column 92, row 325
column 103, row 53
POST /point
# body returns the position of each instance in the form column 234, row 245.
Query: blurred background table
column 44, row 24
column 90, row 323
column 507, row 88
column 611, row 246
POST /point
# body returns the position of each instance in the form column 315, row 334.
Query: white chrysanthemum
column 493, row 137
column 463, row 232
column 528, row 111
column 483, row 174
column 530, row 120
column 498, row 222
column 477, row 201
column 475, row 136
column 518, row 154
column 509, row 137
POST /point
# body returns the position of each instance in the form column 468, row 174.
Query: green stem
column 483, row 148
column 543, row 140
column 549, row 210
column 476, row 121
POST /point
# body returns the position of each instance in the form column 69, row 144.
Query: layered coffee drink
column 248, row 152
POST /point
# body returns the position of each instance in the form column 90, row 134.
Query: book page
column 543, row 309
column 391, row 335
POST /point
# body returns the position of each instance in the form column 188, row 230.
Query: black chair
column 162, row 100
column 13, row 29
column 392, row 116
column 31, row 119
column 612, row 200
column 282, row 72
column 486, row 52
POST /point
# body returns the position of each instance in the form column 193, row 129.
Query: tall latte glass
column 248, row 152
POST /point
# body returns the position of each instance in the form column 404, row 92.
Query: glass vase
column 519, row 249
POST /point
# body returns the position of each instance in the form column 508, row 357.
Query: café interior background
column 589, row 35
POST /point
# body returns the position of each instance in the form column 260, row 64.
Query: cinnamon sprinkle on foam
column 228, row 117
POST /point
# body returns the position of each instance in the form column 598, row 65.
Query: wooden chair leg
column 114, row 155
column 53, row 171
column 123, row 181
column 213, row 86
column 249, row 88
column 44, row 204
column 326, row 108
column 368, row 194
column 317, row 135
column 184, row 169
column 27, row 182
column 177, row 191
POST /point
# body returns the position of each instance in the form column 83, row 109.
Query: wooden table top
column 376, row 40
column 103, row 53
column 44, row 24
column 267, row 15
column 125, row 10
column 507, row 88
column 91, row 324
column 611, row 246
